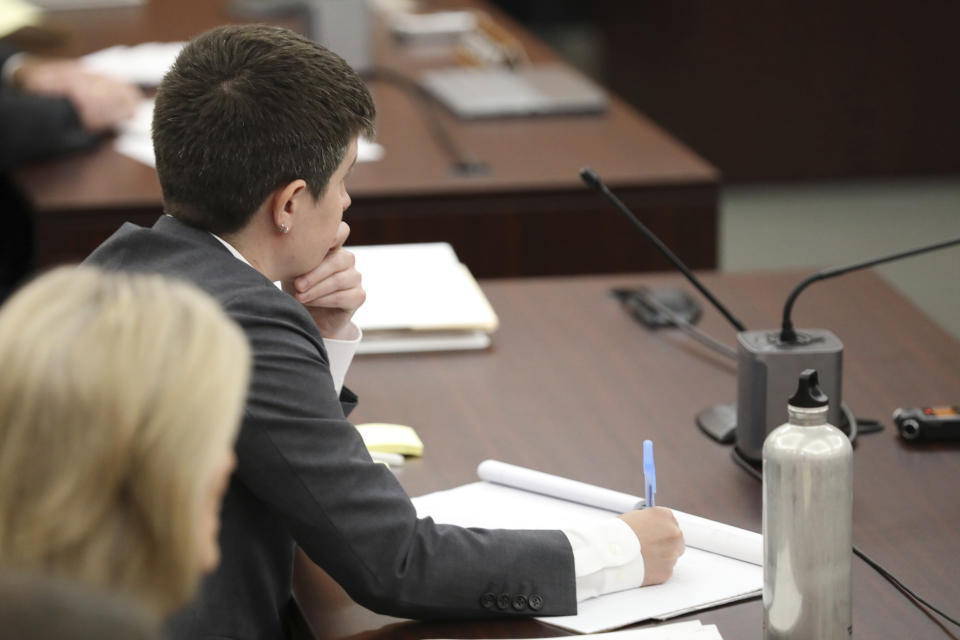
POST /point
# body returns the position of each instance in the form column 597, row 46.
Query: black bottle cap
column 809, row 395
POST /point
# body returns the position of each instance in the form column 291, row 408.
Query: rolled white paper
column 699, row 533
column 557, row 487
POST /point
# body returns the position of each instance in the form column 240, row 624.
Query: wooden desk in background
column 530, row 215
column 573, row 385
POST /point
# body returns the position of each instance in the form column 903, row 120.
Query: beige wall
column 829, row 224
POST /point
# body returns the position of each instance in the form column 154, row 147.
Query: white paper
column 701, row 578
column 144, row 64
column 133, row 139
column 689, row 630
column 436, row 23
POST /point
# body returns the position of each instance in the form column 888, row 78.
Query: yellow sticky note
column 391, row 438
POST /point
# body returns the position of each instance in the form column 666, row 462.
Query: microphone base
column 767, row 374
column 753, row 467
column 719, row 422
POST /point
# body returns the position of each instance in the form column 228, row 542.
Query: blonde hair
column 119, row 394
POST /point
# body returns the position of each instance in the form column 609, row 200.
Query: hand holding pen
column 661, row 541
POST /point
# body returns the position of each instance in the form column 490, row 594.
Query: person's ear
column 285, row 203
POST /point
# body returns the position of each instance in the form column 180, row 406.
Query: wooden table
column 529, row 215
column 573, row 385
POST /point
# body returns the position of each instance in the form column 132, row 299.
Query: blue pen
column 649, row 475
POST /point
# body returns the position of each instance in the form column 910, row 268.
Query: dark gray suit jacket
column 304, row 477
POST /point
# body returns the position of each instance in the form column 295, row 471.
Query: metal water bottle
column 807, row 522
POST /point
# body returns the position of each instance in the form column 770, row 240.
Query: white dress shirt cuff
column 340, row 353
column 606, row 558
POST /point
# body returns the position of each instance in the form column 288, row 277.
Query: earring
column 283, row 228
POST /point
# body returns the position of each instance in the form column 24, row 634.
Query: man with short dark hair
column 255, row 131
column 251, row 109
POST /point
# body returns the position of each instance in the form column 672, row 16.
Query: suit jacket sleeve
column 34, row 126
column 298, row 453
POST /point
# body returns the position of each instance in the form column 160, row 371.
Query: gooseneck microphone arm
column 787, row 332
column 593, row 181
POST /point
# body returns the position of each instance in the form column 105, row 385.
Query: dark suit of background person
column 31, row 127
column 304, row 475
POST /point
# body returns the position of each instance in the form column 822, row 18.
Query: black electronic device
column 928, row 423
column 646, row 305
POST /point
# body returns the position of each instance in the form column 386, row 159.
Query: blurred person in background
column 120, row 397
column 47, row 107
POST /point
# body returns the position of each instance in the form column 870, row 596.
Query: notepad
column 420, row 297
column 721, row 564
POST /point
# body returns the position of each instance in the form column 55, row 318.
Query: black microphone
column 787, row 333
column 719, row 421
column 593, row 181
